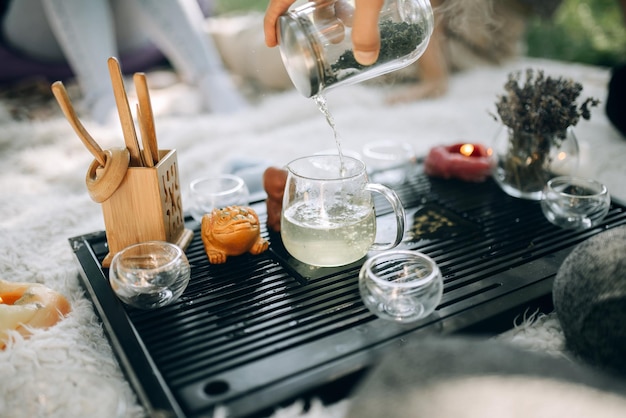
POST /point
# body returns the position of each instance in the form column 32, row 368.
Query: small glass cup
column 149, row 274
column 402, row 286
column 344, row 152
column 388, row 162
column 208, row 193
column 575, row 202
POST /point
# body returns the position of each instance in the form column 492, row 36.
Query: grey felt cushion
column 589, row 296
column 467, row 377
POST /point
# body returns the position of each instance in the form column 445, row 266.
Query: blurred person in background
column 468, row 34
column 49, row 37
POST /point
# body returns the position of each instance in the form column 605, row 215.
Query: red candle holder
column 463, row 161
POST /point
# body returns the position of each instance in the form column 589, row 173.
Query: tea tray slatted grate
column 261, row 329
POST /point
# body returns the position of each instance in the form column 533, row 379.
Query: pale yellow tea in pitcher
column 328, row 216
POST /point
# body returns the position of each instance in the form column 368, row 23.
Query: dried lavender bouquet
column 538, row 113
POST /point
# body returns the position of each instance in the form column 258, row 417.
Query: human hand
column 363, row 19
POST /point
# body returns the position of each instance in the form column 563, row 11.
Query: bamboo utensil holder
column 138, row 189
column 146, row 206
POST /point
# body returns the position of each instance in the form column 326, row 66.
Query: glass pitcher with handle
column 328, row 217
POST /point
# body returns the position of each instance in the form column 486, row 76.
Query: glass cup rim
column 369, row 150
column 359, row 167
column 348, row 152
column 178, row 253
column 239, row 183
column 434, row 273
column 602, row 189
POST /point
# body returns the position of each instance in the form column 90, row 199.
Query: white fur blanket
column 45, row 201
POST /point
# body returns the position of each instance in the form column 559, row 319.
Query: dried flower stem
column 538, row 113
column 542, row 104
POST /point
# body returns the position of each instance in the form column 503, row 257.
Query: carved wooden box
column 146, row 206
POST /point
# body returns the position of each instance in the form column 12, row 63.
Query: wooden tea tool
column 109, row 167
column 147, row 150
column 60, row 93
column 142, row 201
column 101, row 181
column 123, row 109
column 146, row 118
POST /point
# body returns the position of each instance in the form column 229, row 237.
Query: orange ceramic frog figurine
column 233, row 230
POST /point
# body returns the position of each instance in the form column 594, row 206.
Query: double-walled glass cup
column 316, row 46
column 388, row 162
column 402, row 286
column 328, row 217
column 208, row 193
column 575, row 202
column 149, row 274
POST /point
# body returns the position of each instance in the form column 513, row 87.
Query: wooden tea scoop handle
column 60, row 93
column 103, row 181
column 123, row 109
column 147, row 148
column 146, row 119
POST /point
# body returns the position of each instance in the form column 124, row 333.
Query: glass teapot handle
column 398, row 210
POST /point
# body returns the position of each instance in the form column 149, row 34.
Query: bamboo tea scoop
column 146, row 119
column 103, row 181
column 123, row 109
column 147, row 149
column 109, row 167
column 58, row 89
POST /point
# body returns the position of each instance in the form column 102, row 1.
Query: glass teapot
column 316, row 48
column 328, row 217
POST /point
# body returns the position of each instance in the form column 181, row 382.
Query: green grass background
column 586, row 31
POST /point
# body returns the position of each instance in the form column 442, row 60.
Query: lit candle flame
column 466, row 149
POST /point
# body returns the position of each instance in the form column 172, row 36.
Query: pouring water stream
column 320, row 100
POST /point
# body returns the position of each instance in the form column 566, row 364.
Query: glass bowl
column 388, row 162
column 575, row 202
column 149, row 274
column 401, row 285
column 208, row 193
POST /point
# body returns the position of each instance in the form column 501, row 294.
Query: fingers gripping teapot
column 316, row 47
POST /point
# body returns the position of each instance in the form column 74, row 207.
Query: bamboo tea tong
column 58, row 89
column 123, row 109
column 109, row 166
column 146, row 121
column 144, row 114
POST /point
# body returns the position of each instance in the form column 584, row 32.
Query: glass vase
column 526, row 160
